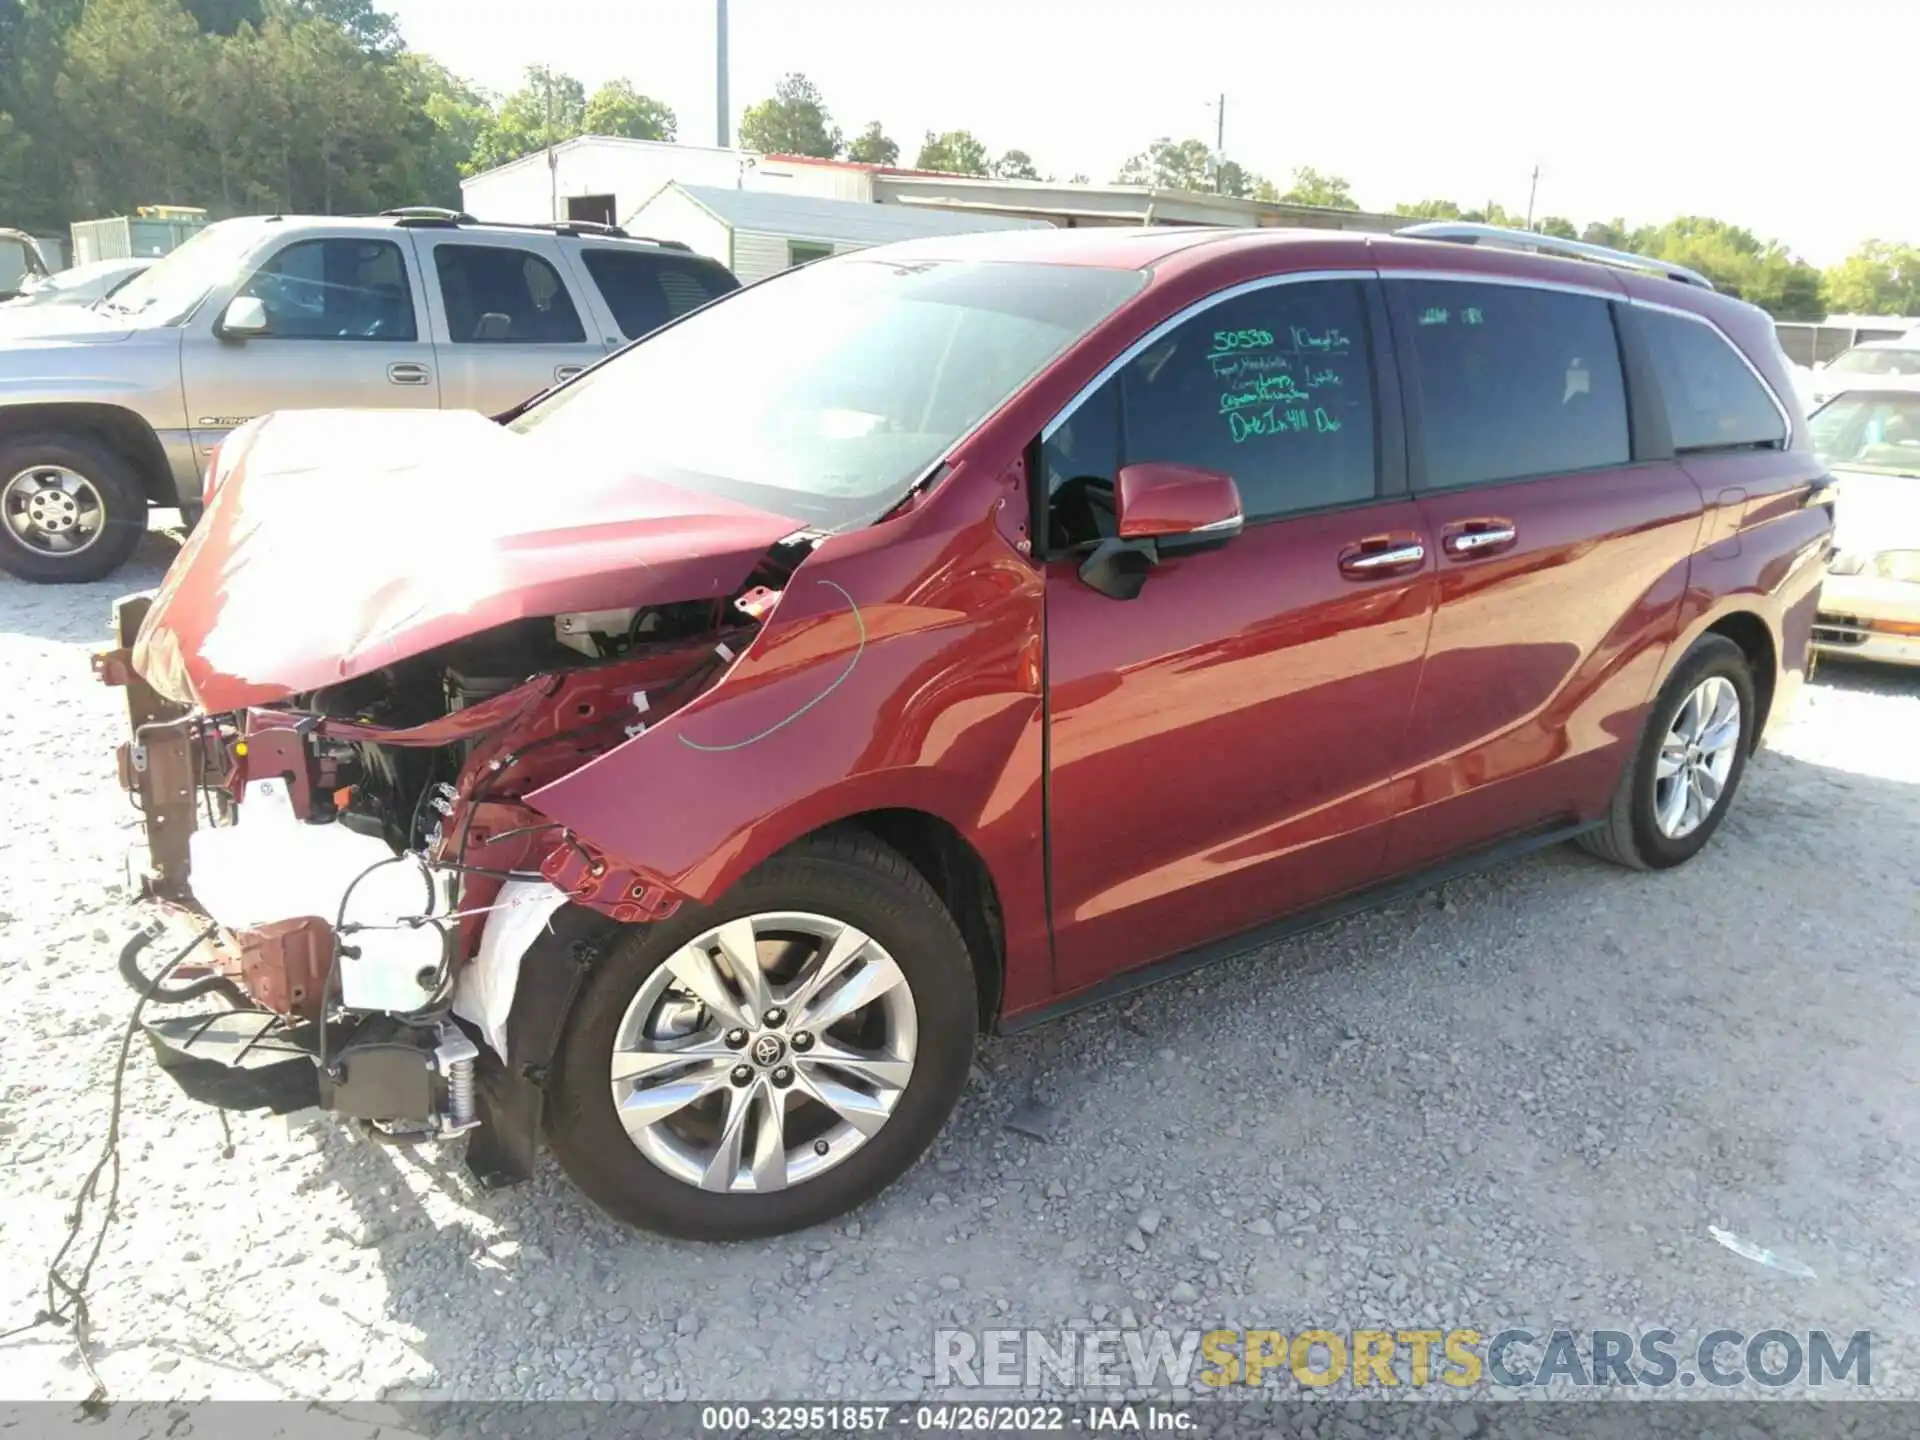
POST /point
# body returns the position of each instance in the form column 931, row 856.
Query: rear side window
column 1273, row 387
column 1511, row 381
column 644, row 291
column 501, row 296
column 1714, row 401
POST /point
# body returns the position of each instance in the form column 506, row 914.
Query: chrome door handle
column 567, row 372
column 1385, row 559
column 1469, row 541
column 408, row 373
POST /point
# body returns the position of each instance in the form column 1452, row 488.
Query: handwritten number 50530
column 1241, row 340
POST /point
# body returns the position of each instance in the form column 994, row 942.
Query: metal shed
column 756, row 233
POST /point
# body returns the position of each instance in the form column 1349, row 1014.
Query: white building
column 756, row 233
column 605, row 179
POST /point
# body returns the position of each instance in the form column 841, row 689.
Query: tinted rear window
column 644, row 291
column 1512, row 381
column 1714, row 401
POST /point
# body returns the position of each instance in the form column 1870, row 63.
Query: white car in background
column 1872, row 364
column 82, row 285
column 1870, row 601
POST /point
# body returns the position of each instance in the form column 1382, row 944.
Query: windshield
column 1878, row 362
column 823, row 394
column 1869, row 432
column 169, row 292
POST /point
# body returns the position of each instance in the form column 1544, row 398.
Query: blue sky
column 1775, row 114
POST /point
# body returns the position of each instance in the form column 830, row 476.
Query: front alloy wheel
column 764, row 1052
column 773, row 1060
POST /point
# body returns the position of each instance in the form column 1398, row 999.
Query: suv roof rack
column 1497, row 235
column 427, row 215
column 440, row 216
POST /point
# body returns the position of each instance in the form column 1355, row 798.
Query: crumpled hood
column 1877, row 512
column 341, row 541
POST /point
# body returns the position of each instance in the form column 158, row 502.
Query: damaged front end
column 369, row 872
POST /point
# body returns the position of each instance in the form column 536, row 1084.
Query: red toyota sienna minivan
column 685, row 768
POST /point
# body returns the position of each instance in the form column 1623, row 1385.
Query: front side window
column 645, row 291
column 1511, row 381
column 337, row 289
column 496, row 295
column 824, row 393
column 1273, row 387
column 1714, row 401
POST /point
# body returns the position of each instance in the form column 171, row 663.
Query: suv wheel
column 71, row 509
column 1691, row 756
column 773, row 1061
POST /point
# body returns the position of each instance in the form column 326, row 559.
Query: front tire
column 71, row 509
column 1683, row 774
column 774, row 1060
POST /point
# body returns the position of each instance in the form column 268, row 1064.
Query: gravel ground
column 1518, row 1101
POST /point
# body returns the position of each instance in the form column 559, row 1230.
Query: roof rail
column 1498, row 235
column 583, row 227
column 427, row 215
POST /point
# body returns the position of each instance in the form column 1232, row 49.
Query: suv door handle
column 409, row 373
column 1371, row 559
column 1469, row 538
column 567, row 372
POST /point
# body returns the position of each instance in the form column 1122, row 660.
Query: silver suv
column 109, row 410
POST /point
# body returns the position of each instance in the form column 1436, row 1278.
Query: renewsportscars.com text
column 1368, row 1359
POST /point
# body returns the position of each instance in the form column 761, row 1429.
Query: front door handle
column 1479, row 537
column 409, row 373
column 1361, row 563
column 567, row 372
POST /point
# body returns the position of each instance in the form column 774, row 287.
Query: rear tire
column 850, row 879
column 1648, row 824
column 56, row 489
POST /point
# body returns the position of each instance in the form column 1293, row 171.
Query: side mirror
column 1176, row 503
column 244, row 316
column 1161, row 509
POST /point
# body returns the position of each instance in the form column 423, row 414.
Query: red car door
column 1561, row 560
column 1222, row 749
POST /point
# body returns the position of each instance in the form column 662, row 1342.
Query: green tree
column 1168, row 164
column 1428, row 210
column 794, row 122
column 1877, row 279
column 549, row 108
column 129, row 94
column 616, row 108
column 370, row 27
column 1310, row 187
column 449, row 122
column 1015, row 165
column 873, row 146
column 1558, row 226
column 1762, row 272
column 954, row 152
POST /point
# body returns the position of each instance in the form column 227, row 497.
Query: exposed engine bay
column 358, row 847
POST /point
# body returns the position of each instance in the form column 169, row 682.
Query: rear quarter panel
column 1765, row 548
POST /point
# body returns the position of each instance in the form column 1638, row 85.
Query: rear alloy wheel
column 70, row 508
column 770, row 1062
column 1688, row 763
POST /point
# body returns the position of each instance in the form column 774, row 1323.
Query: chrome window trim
column 1175, row 321
column 1487, row 277
column 1786, row 417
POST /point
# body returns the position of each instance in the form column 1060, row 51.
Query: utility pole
column 1533, row 188
column 1220, row 147
column 553, row 161
column 722, row 120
